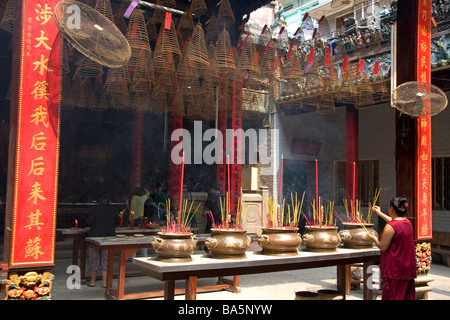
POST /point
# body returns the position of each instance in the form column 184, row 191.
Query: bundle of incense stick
column 324, row 218
column 354, row 212
column 183, row 223
column 375, row 199
column 225, row 222
column 284, row 216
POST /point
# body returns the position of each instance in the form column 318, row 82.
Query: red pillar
column 351, row 153
column 222, row 127
column 236, row 163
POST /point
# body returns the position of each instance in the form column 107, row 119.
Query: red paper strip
column 361, row 65
column 376, row 68
column 314, row 32
column 245, row 40
column 311, row 55
column 256, row 59
column 168, row 21
column 37, row 147
column 305, row 16
column 267, row 46
column 290, row 49
column 434, row 21
column 328, row 58
column 344, row 63
column 321, row 19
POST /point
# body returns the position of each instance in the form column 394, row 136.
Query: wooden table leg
column 342, row 279
column 169, row 290
column 83, row 258
column 110, row 270
column 191, row 288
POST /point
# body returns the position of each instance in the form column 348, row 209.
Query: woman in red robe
column 398, row 257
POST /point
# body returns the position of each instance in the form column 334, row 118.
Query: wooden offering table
column 78, row 236
column 203, row 266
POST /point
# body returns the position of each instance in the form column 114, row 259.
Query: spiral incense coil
column 293, row 65
column 310, row 103
column 197, row 51
column 7, row 21
column 176, row 106
column 89, row 69
column 185, row 25
column 212, row 30
column 198, row 7
column 249, row 58
column 225, row 17
column 167, row 50
column 364, row 97
column 326, row 103
column 117, row 82
column 158, row 14
column 270, row 63
column 142, row 78
column 225, row 54
column 138, row 38
column 104, row 7
column 213, row 70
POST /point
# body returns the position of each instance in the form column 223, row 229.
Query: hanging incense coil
column 118, row 18
column 213, row 70
column 142, row 78
column 326, row 103
column 293, row 65
column 249, row 57
column 310, row 103
column 197, row 51
column 212, row 30
column 185, row 25
column 138, row 38
column 270, row 61
column 380, row 89
column 167, row 50
column 7, row 21
column 364, row 97
column 225, row 53
column 198, row 7
column 104, row 7
column 159, row 14
column 117, row 82
column 225, row 17
column 89, row 69
column 176, row 105
column 323, row 29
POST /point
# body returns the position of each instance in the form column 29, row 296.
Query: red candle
column 132, row 220
column 121, row 219
column 317, row 187
column 229, row 184
column 181, row 187
column 76, row 224
column 281, row 180
column 354, row 187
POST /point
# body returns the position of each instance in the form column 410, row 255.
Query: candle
column 181, row 187
column 76, row 224
column 121, row 219
column 354, row 187
column 229, row 188
column 317, row 187
column 132, row 220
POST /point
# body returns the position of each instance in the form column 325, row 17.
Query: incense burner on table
column 321, row 238
column 174, row 247
column 228, row 243
column 280, row 241
column 354, row 236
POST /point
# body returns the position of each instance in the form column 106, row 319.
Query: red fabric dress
column 398, row 263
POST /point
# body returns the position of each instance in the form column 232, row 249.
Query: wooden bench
column 441, row 244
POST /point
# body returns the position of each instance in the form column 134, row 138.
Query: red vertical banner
column 237, row 142
column 137, row 154
column 423, row 205
column 37, row 138
column 176, row 122
column 222, row 127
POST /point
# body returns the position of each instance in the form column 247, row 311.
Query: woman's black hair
column 399, row 205
column 139, row 191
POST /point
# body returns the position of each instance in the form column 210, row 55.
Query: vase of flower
column 281, row 241
column 355, row 236
column 321, row 238
column 228, row 243
column 174, row 247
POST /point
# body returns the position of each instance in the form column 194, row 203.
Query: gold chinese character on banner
column 42, row 41
column 40, row 115
column 424, row 229
column 38, row 143
column 43, row 13
column 33, row 248
column 34, row 220
column 41, row 66
column 37, row 166
column 36, row 193
column 40, row 90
